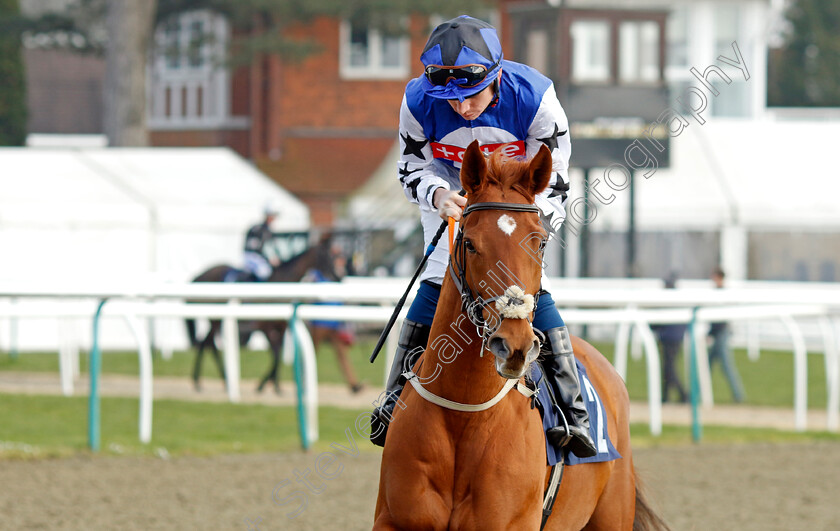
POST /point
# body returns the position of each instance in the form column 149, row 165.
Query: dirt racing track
column 767, row 487
column 695, row 487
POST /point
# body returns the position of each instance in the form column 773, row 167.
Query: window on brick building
column 189, row 88
column 368, row 53
column 590, row 50
column 638, row 51
column 678, row 37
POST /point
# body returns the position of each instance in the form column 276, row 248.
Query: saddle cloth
column 234, row 275
column 551, row 416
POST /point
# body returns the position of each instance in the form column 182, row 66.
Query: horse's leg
column 275, row 362
column 214, row 330
column 265, row 380
column 199, row 353
column 276, row 341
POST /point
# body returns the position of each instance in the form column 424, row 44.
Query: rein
column 473, row 306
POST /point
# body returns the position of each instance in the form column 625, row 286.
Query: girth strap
column 550, row 495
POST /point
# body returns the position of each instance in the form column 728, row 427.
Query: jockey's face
column 472, row 107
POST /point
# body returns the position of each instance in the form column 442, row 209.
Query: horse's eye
column 543, row 243
column 468, row 245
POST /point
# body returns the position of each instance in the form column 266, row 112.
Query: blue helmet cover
column 458, row 42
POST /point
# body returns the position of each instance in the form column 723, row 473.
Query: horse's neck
column 293, row 269
column 452, row 363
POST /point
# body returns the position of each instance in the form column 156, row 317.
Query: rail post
column 299, row 383
column 95, row 369
column 696, row 427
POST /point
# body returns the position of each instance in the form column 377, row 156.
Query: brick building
column 318, row 126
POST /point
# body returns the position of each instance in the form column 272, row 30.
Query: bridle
column 473, row 304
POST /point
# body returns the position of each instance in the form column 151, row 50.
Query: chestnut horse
column 449, row 469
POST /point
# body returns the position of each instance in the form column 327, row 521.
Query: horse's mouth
column 512, row 365
column 508, row 372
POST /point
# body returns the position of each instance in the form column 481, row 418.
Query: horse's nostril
column 498, row 346
column 534, row 352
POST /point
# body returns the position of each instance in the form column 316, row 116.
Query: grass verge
column 53, row 426
column 767, row 381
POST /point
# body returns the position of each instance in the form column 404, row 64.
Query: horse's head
column 498, row 256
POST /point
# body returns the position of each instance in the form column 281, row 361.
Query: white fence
column 627, row 305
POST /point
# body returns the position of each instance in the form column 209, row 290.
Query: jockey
column 258, row 241
column 468, row 92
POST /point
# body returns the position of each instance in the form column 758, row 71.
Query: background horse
column 316, row 257
column 448, row 469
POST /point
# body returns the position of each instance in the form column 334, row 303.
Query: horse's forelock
column 508, row 173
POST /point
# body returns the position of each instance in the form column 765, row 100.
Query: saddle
column 552, row 416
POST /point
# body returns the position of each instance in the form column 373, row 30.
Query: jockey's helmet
column 461, row 58
column 271, row 209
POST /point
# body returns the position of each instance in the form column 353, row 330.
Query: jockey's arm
column 421, row 184
column 269, row 247
column 550, row 127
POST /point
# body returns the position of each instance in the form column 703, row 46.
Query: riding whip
column 398, row 307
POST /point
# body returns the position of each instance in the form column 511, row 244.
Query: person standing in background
column 671, row 340
column 719, row 350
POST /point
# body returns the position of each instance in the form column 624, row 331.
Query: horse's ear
column 473, row 168
column 539, row 171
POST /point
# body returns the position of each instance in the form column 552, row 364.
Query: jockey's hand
column 274, row 261
column 449, row 203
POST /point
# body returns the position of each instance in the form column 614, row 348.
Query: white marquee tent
column 113, row 212
column 139, row 213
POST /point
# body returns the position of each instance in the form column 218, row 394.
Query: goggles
column 466, row 76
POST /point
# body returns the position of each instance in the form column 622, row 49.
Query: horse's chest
column 473, row 472
column 496, row 487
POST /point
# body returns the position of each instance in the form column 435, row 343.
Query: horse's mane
column 507, row 173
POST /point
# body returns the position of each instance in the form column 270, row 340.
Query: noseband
column 473, row 305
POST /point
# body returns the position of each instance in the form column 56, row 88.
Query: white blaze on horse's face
column 507, row 224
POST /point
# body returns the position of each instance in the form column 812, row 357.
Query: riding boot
column 558, row 363
column 412, row 341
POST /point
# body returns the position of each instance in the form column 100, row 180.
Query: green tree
column 805, row 71
column 13, row 110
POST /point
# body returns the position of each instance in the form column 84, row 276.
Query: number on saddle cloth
column 551, row 417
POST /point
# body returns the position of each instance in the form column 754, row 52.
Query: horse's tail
column 646, row 518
